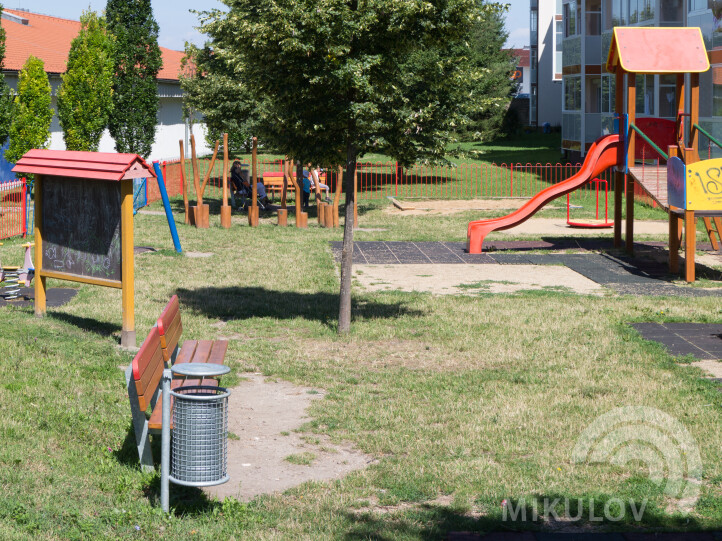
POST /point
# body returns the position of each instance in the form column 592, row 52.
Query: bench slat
column 148, row 368
column 218, row 352
column 170, row 339
column 203, row 350
column 188, row 349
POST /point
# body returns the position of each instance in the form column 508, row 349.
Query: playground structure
column 11, row 277
column 198, row 214
column 684, row 187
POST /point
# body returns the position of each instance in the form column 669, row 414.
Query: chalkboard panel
column 81, row 227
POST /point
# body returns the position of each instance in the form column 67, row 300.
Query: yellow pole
column 127, row 278
column 40, row 282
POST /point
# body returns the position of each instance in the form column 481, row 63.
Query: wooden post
column 321, row 211
column 296, row 187
column 254, row 182
column 679, row 101
column 184, row 184
column 225, row 207
column 619, row 175
column 673, row 242
column 693, row 116
column 690, row 241
column 283, row 217
column 127, row 335
column 313, row 173
column 328, row 215
column 284, row 190
column 629, row 233
column 40, row 281
column 711, row 232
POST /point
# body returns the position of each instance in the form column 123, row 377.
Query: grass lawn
column 464, row 400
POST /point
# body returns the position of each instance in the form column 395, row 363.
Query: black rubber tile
column 55, row 296
column 511, row 259
column 476, row 259
column 686, row 327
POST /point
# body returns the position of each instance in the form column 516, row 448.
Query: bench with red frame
column 143, row 376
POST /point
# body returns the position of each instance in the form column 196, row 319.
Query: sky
column 174, row 18
column 517, row 23
column 177, row 23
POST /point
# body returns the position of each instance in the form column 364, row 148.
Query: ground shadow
column 251, row 302
column 520, row 523
column 101, row 328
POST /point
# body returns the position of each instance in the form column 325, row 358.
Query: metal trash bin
column 199, row 442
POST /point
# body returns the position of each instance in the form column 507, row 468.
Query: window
column 619, row 12
column 645, row 94
column 593, row 17
column 571, row 19
column 572, row 93
column 646, row 10
column 698, row 5
column 558, row 37
column 593, row 98
column 533, row 26
column 670, row 12
column 608, row 95
column 667, row 91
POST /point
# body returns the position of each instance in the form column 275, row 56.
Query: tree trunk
column 344, row 305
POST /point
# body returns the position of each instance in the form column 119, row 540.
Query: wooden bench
column 143, row 376
column 273, row 182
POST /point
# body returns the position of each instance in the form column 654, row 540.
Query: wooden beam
column 184, row 182
column 694, row 116
column 690, row 241
column 40, row 282
column 127, row 335
column 82, row 279
column 673, row 242
column 618, row 175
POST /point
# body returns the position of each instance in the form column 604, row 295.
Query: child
column 306, row 188
column 321, row 185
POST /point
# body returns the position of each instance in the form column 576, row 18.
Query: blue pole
column 166, row 205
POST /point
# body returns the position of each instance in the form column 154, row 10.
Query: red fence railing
column 378, row 180
column 13, row 208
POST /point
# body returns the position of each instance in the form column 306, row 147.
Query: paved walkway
column 642, row 275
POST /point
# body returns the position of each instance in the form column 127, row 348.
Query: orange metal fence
column 378, row 180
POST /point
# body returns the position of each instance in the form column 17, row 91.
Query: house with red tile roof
column 49, row 38
column 521, row 74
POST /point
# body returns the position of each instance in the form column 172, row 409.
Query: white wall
column 549, row 91
column 169, row 130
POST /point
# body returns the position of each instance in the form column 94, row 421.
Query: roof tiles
column 49, row 38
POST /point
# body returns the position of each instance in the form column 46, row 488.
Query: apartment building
column 545, row 56
column 587, row 103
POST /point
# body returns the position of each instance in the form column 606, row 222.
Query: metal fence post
column 165, row 444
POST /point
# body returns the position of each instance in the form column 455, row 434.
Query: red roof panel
column 48, row 38
column 90, row 165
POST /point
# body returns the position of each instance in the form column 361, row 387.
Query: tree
column 137, row 60
column 496, row 87
column 332, row 72
column 6, row 97
column 85, row 96
column 30, row 127
column 211, row 87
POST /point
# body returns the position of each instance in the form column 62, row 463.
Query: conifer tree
column 85, row 96
column 32, row 113
column 137, row 61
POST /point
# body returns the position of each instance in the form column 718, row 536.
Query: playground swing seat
column 12, row 276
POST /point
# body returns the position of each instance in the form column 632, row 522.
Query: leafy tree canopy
column 334, row 73
column 136, row 65
column 31, row 119
column 212, row 88
column 85, row 96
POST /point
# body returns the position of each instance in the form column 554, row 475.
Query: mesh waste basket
column 200, row 435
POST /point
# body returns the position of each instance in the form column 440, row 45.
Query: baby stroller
column 244, row 198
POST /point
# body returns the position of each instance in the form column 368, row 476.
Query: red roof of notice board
column 78, row 164
column 657, row 50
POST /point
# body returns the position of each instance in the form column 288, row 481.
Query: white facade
column 170, row 128
column 545, row 59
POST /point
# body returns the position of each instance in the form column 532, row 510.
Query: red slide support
column 601, row 156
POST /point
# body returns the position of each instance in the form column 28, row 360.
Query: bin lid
column 199, row 370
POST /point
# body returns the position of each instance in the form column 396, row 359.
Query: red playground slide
column 601, row 156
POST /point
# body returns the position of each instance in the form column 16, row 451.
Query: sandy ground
column 472, row 279
column 533, row 226
column 264, row 415
column 712, row 367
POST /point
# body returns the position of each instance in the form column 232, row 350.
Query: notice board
column 82, row 227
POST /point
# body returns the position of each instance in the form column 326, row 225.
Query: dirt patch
column 472, row 279
column 199, row 254
column 451, row 207
column 711, row 366
column 265, row 454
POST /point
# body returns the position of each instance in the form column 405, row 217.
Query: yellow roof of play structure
column 657, row 50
